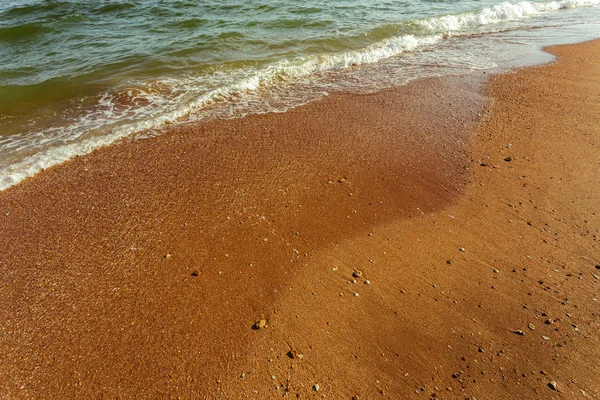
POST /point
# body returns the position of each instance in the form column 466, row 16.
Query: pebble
column 357, row 274
column 496, row 271
column 545, row 338
column 552, row 385
column 316, row 387
column 367, row 282
column 519, row 332
column 549, row 321
column 531, row 326
column 462, row 249
column 597, row 266
column 507, row 159
column 595, row 276
column 261, row 324
column 294, row 354
column 355, row 294
column 195, row 272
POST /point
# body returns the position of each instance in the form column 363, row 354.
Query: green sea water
column 75, row 75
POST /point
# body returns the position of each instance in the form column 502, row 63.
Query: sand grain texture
column 141, row 269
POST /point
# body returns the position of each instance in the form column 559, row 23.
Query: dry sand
column 138, row 271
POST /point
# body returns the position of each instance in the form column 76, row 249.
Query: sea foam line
column 504, row 12
column 251, row 81
column 74, row 139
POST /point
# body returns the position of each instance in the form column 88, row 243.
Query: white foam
column 504, row 12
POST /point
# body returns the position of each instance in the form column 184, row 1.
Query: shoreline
column 140, row 269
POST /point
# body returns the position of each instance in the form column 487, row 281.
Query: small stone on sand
column 519, row 332
column 260, row 324
column 316, row 387
column 552, row 385
column 294, row 354
column 195, row 272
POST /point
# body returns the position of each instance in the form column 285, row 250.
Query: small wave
column 22, row 32
column 231, row 35
column 296, row 23
column 141, row 106
column 28, row 10
column 504, row 12
column 266, row 8
column 113, row 8
column 306, row 10
column 191, row 23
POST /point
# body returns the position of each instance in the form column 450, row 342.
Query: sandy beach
column 436, row 240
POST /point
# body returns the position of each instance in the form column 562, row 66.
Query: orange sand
column 139, row 270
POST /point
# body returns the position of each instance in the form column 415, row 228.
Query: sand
column 434, row 240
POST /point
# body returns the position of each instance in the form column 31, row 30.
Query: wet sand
column 140, row 269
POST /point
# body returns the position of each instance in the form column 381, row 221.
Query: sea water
column 76, row 75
